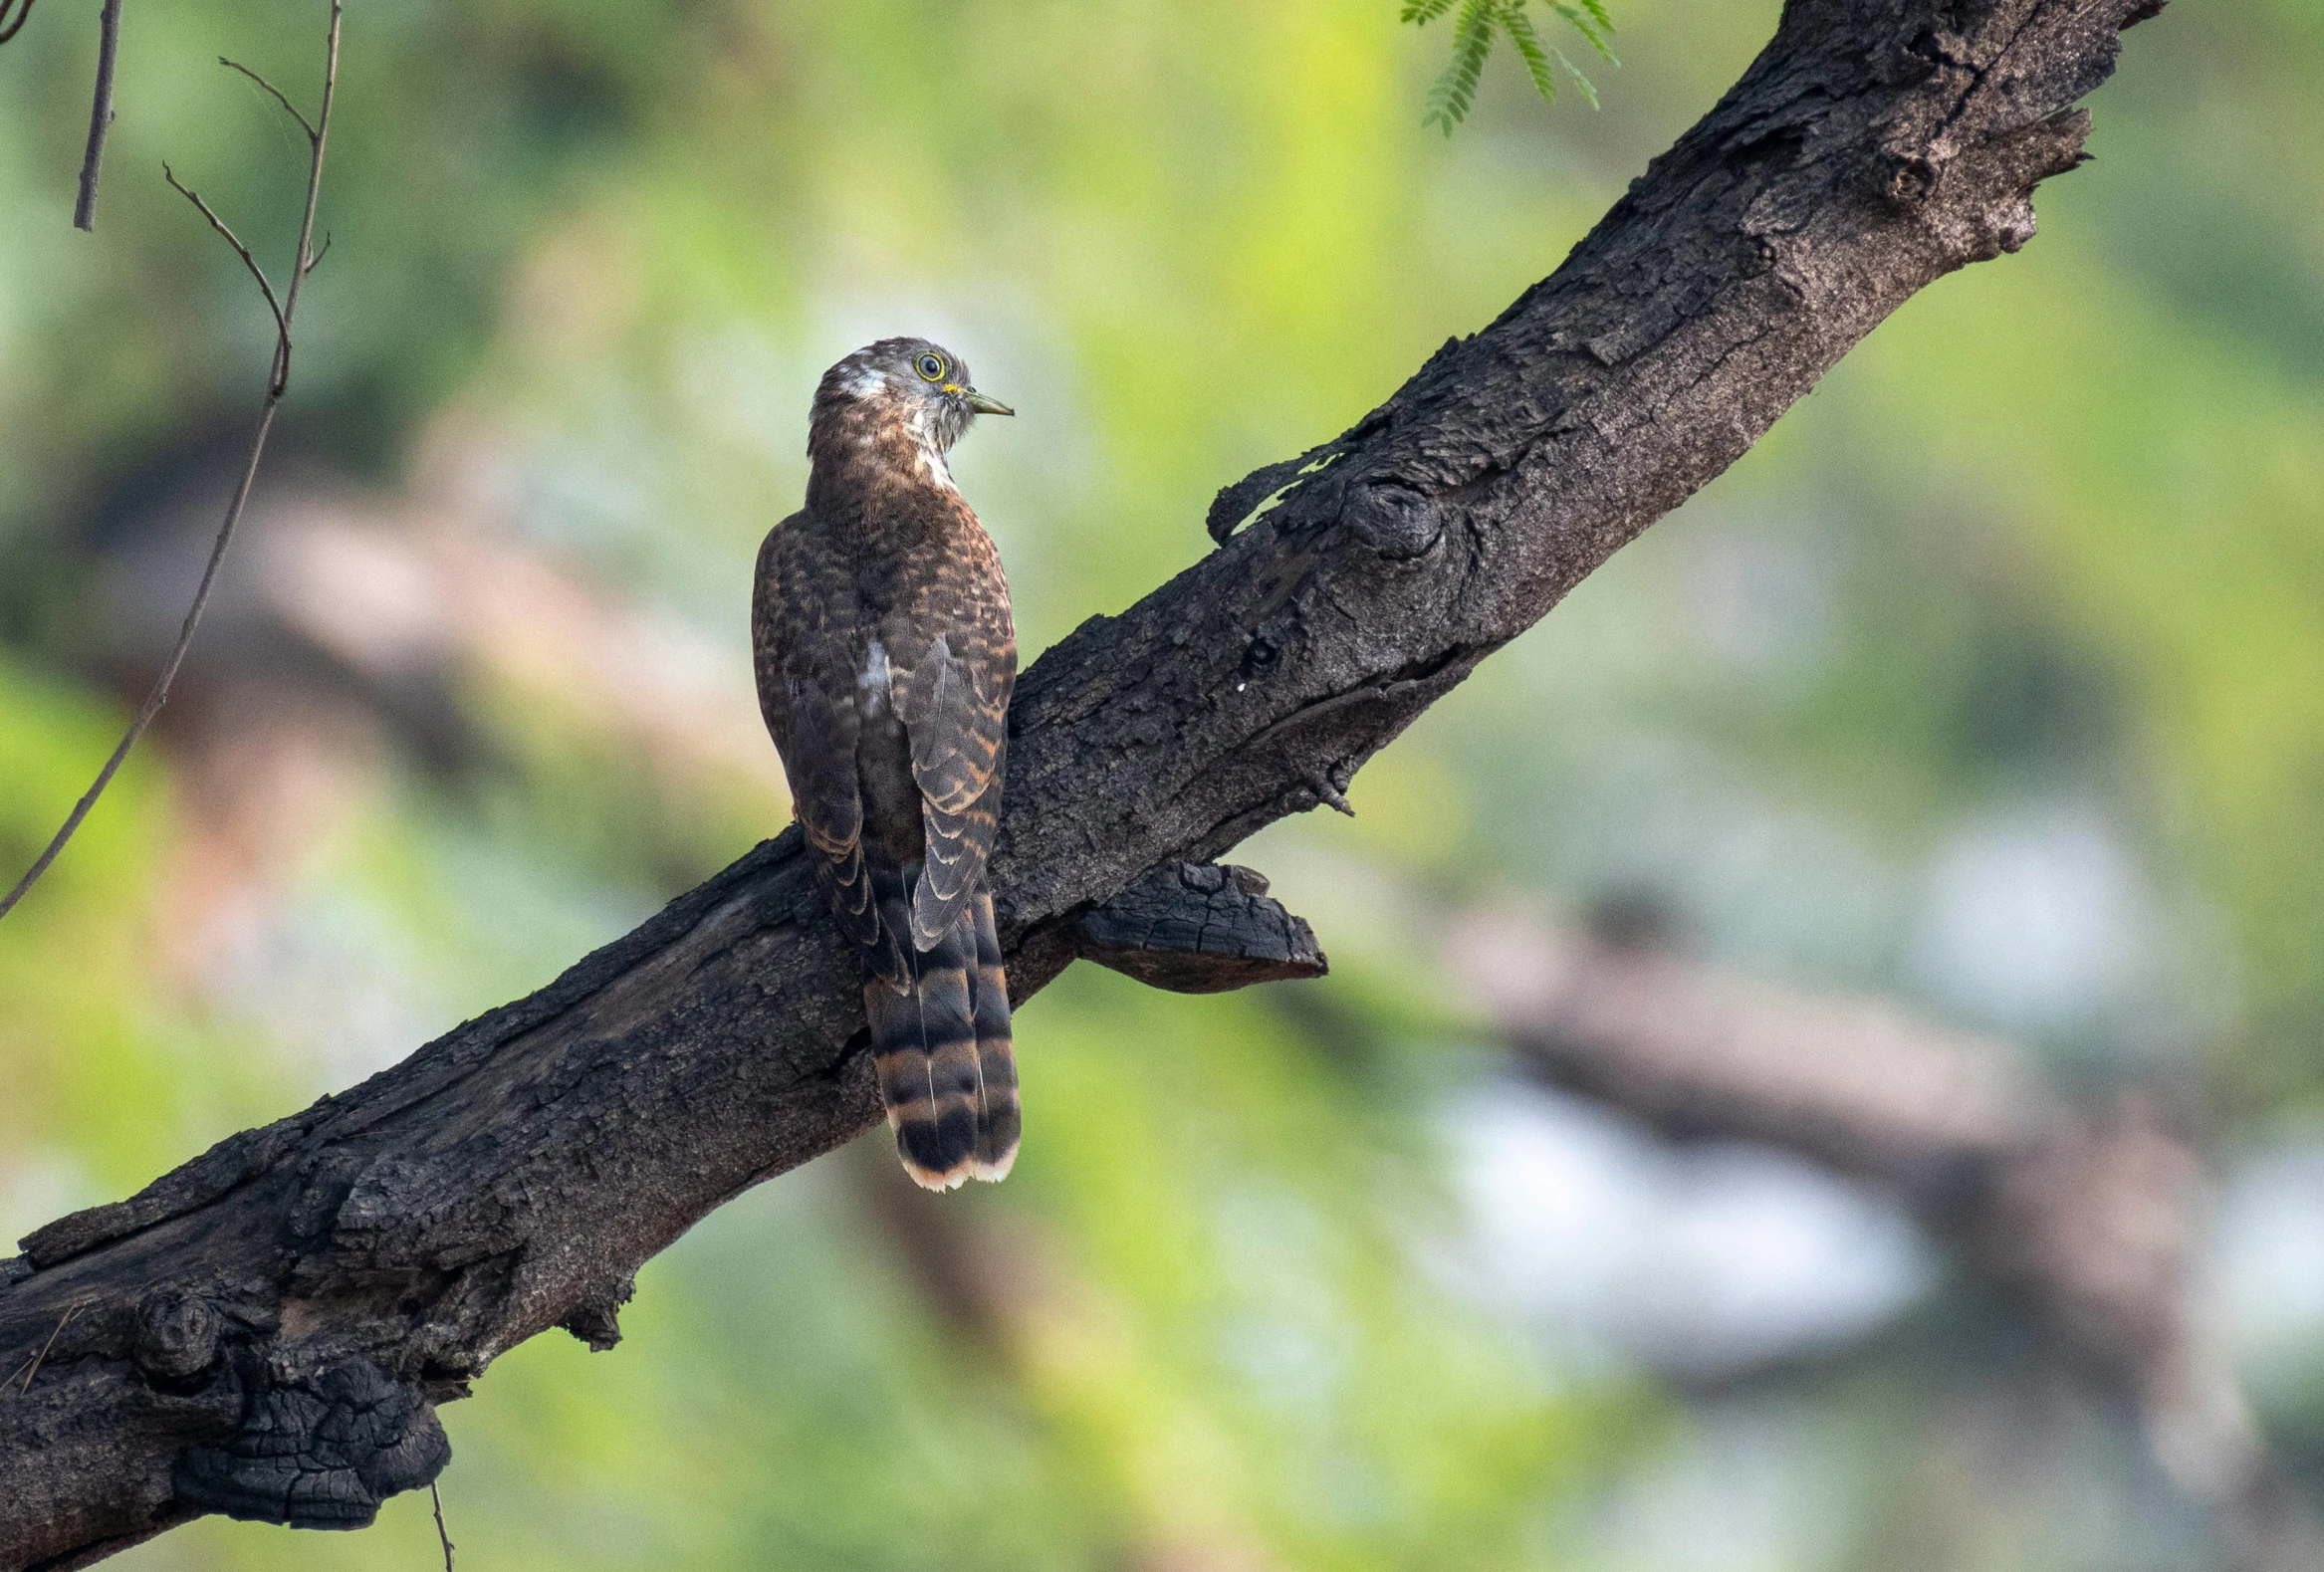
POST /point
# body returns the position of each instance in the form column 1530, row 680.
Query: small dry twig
column 447, row 1538
column 265, row 288
column 32, row 1367
column 289, row 107
column 10, row 27
column 108, row 43
column 278, row 382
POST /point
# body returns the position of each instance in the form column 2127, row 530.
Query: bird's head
column 921, row 385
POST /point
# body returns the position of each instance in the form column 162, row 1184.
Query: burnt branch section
column 366, row 1259
column 1200, row 928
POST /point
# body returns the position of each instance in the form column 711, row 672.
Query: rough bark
column 266, row 1329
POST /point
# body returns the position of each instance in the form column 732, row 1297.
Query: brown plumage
column 885, row 656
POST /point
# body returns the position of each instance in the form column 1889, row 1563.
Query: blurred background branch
column 2087, row 1217
column 109, row 40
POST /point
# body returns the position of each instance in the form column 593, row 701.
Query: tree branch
column 366, row 1259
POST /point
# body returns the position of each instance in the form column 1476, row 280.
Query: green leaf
column 1455, row 92
column 1472, row 36
column 1591, row 24
column 1473, row 29
column 1529, row 43
column 1588, row 87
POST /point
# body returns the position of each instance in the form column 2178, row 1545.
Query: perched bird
column 886, row 655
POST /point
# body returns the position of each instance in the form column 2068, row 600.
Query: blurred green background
column 1992, row 680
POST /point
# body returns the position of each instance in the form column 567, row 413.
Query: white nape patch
column 868, row 384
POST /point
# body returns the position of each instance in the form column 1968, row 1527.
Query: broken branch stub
column 1200, row 928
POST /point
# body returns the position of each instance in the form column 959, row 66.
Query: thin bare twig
column 109, row 40
column 316, row 135
column 441, row 1534
column 288, row 105
column 32, row 1367
column 282, row 327
column 9, row 29
column 278, row 382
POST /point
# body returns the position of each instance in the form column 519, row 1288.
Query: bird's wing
column 803, row 638
column 955, row 711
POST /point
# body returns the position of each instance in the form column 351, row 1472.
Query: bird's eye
column 932, row 367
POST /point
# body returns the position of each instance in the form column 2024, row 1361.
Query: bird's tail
column 947, row 1066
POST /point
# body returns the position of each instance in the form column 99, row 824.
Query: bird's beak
column 985, row 403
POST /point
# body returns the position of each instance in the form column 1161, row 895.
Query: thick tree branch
column 365, row 1259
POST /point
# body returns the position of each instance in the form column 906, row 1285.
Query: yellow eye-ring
column 932, row 367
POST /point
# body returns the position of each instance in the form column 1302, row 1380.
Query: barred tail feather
column 998, row 1120
column 924, row 1049
column 941, row 1046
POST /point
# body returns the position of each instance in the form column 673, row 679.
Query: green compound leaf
column 1473, row 34
column 1590, row 22
column 1536, row 58
column 1476, row 26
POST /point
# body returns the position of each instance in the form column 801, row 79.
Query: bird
column 886, row 654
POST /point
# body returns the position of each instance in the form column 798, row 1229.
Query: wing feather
column 955, row 708
column 803, row 635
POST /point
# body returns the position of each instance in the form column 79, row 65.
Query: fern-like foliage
column 1479, row 23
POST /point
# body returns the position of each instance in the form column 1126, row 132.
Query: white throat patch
column 932, row 463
